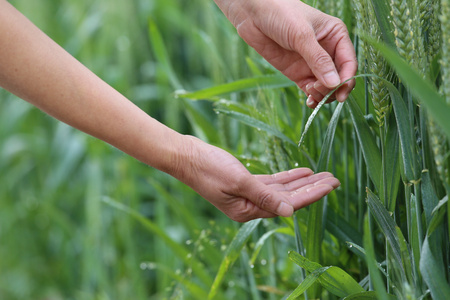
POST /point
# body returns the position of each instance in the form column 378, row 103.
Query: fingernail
column 285, row 210
column 318, row 85
column 310, row 101
column 332, row 79
column 309, row 86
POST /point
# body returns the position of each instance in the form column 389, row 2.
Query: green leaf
column 243, row 85
column 367, row 142
column 161, row 54
column 305, row 284
column 429, row 197
column 433, row 273
column 203, row 127
column 371, row 295
column 392, row 156
column 259, row 125
column 232, row 253
column 334, row 279
column 382, row 12
column 407, row 140
column 264, row 237
column 437, row 215
column 327, row 145
column 374, row 273
column 387, row 225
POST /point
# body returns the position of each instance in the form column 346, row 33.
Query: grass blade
column 371, row 295
column 367, row 142
column 177, row 249
column 233, row 251
column 259, row 125
column 243, row 85
column 335, row 280
column 305, row 284
column 387, row 225
column 433, row 273
column 371, row 261
column 382, row 12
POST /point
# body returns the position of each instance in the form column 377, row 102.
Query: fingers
column 310, row 194
column 285, row 176
column 266, row 198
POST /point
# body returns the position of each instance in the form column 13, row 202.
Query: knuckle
column 264, row 199
column 321, row 60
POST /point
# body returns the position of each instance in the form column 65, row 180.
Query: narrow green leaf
column 161, row 54
column 305, row 284
column 437, row 215
column 314, row 237
column 371, row 295
column 392, row 156
column 232, row 253
column 327, row 145
column 340, row 228
column 383, row 12
column 243, row 85
column 406, row 256
column 407, row 140
column 203, row 127
column 259, row 125
column 264, row 237
column 374, row 273
column 387, row 225
column 429, row 197
column 433, row 273
column 335, row 280
column 367, row 142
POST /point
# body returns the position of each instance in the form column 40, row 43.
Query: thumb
column 320, row 62
column 266, row 198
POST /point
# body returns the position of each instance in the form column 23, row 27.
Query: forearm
column 36, row 69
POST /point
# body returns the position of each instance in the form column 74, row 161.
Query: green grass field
column 81, row 220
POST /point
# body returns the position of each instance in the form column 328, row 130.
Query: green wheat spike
column 375, row 62
column 445, row 62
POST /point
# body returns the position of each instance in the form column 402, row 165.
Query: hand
column 311, row 48
column 222, row 180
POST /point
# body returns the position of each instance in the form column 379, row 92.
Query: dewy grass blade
column 243, row 85
column 307, row 282
column 259, row 125
column 178, row 249
column 327, row 145
column 388, row 227
column 233, row 251
column 334, row 279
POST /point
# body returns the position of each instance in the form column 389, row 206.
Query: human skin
column 39, row 71
column 311, row 48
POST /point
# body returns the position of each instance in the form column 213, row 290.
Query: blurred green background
column 61, row 236
column 81, row 220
